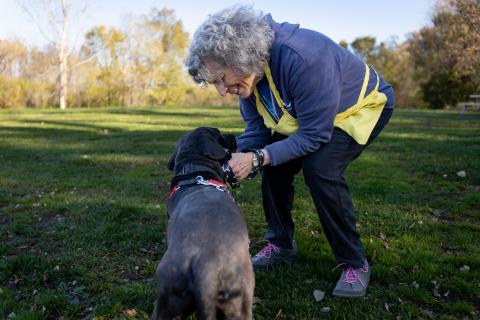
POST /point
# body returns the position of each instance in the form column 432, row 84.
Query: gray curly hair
column 236, row 37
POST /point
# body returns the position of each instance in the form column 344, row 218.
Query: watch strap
column 261, row 156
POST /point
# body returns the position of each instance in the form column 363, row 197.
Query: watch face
column 255, row 161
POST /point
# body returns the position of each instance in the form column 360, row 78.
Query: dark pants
column 323, row 172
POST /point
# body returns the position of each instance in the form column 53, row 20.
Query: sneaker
column 272, row 255
column 353, row 282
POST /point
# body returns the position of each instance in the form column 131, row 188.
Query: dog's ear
column 213, row 150
column 171, row 162
column 229, row 142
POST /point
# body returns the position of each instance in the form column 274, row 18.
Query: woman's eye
column 219, row 80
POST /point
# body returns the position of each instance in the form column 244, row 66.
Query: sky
column 385, row 20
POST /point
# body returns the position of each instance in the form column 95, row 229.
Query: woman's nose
column 221, row 89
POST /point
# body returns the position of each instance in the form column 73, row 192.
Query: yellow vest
column 358, row 120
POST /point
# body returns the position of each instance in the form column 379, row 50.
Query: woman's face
column 229, row 81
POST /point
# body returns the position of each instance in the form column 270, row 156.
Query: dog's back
column 207, row 266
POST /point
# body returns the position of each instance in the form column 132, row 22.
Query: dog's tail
column 221, row 294
column 205, row 293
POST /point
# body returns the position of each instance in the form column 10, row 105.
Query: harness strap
column 198, row 181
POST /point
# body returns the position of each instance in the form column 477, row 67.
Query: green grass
column 82, row 216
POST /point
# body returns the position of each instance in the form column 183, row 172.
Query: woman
column 307, row 104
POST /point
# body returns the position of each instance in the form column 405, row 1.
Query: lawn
column 82, row 217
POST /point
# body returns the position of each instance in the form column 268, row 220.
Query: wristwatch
column 257, row 160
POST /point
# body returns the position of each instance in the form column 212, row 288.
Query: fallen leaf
column 129, row 313
column 257, row 300
column 318, row 295
column 326, row 309
column 382, row 236
column 387, row 307
column 415, row 285
column 465, row 268
column 278, row 313
column 461, row 174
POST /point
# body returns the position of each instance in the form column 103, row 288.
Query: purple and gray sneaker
column 272, row 255
column 353, row 282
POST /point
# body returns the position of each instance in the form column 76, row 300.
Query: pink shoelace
column 351, row 275
column 266, row 252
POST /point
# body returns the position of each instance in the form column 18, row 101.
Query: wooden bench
column 475, row 104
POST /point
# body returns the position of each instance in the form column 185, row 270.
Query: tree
column 365, row 48
column 12, row 58
column 343, row 44
column 447, row 54
column 155, row 49
column 55, row 31
column 107, row 85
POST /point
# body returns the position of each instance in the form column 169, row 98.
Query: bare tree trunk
column 63, row 56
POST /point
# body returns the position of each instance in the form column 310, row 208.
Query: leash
column 199, row 180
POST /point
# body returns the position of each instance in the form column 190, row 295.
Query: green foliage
column 83, row 217
column 365, row 48
column 446, row 54
column 140, row 64
column 17, row 93
column 444, row 89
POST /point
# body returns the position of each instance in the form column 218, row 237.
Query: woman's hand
column 241, row 164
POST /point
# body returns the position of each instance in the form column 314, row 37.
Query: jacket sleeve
column 314, row 85
column 256, row 134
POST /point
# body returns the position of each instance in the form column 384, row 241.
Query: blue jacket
column 318, row 79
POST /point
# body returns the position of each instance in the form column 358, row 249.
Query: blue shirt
column 317, row 79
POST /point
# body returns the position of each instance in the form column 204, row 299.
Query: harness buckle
column 204, row 182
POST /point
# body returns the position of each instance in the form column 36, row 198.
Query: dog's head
column 205, row 147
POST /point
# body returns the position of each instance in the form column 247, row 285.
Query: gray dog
column 207, row 267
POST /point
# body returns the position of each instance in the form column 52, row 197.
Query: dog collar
column 198, row 181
